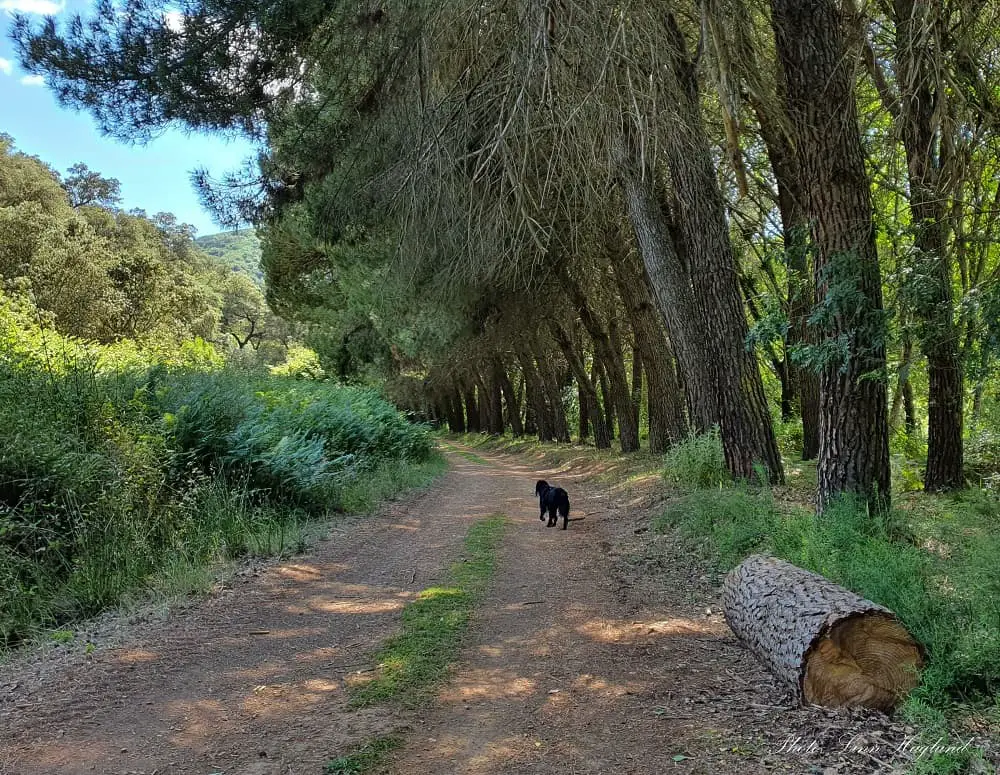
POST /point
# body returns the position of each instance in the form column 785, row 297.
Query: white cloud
column 40, row 7
column 33, row 80
column 6, row 66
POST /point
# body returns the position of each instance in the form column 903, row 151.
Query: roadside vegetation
column 931, row 559
column 157, row 418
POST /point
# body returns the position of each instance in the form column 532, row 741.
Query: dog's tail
column 564, row 508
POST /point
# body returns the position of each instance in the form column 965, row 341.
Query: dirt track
column 592, row 653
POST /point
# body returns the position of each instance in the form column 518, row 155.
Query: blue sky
column 155, row 177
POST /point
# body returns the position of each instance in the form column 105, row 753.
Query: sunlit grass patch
column 364, row 759
column 433, row 625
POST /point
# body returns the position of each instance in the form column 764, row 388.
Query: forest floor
column 597, row 649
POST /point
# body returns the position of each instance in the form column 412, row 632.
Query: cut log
column 830, row 646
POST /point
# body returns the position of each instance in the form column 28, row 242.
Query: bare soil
column 597, row 649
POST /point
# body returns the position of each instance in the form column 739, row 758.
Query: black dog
column 552, row 499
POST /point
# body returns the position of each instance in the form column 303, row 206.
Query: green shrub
column 116, row 463
column 697, row 462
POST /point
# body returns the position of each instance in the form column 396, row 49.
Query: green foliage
column 697, row 462
column 116, row 465
column 236, row 251
column 365, row 759
column 433, row 625
column 97, row 272
column 301, row 363
column 933, row 564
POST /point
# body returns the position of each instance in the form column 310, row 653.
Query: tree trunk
column 538, row 412
column 637, row 372
column 609, row 353
column 819, row 91
column 606, row 403
column 472, row 422
column 553, row 392
column 664, row 395
column 586, row 386
column 917, row 44
column 701, row 302
column 909, row 410
column 728, row 368
column 509, row 397
column 485, row 403
column 829, row 646
column 452, row 400
column 801, row 296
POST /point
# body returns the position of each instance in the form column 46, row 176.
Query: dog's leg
column 566, row 520
column 543, row 513
column 553, row 517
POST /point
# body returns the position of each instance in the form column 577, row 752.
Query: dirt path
column 584, row 658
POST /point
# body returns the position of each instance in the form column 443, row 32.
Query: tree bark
column 608, row 351
column 801, row 296
column 637, row 372
column 819, row 93
column 534, row 392
column 664, row 395
column 472, row 417
column 553, row 392
column 509, row 397
column 586, row 387
column 600, row 377
column 828, row 645
column 909, row 409
column 917, row 43
column 452, row 399
column 701, row 303
column 583, row 400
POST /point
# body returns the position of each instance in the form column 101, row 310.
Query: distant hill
column 239, row 250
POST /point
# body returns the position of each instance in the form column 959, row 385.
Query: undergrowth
column 411, row 662
column 122, row 472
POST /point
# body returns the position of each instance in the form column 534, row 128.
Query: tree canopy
column 491, row 205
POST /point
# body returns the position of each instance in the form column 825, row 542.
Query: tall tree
column 819, row 92
column 921, row 107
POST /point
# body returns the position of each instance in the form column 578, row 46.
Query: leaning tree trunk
column 917, row 44
column 510, row 397
column 727, row 366
column 664, row 394
column 457, row 409
column 699, row 298
column 586, row 387
column 538, row 413
column 601, row 378
column 553, row 392
column 795, row 232
column 637, row 372
column 819, row 92
column 828, row 645
column 608, row 351
column 471, row 406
